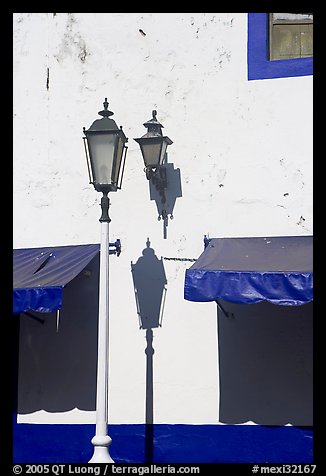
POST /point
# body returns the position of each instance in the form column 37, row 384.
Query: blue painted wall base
column 166, row 444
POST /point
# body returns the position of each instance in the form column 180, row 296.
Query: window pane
column 286, row 41
column 306, row 40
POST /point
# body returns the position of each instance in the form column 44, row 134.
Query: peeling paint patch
column 83, row 54
column 223, row 55
column 227, row 23
column 72, row 41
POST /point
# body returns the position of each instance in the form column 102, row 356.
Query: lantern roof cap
column 153, row 122
column 104, row 124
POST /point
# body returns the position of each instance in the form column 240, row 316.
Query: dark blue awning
column 250, row 270
column 39, row 274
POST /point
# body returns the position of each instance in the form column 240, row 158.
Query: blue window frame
column 259, row 65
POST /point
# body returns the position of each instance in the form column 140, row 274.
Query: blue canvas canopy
column 39, row 274
column 254, row 269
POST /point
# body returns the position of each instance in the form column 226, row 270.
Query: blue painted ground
column 165, row 444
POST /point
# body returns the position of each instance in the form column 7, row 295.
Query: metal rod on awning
column 58, row 319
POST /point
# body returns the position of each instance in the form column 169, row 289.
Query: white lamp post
column 105, row 154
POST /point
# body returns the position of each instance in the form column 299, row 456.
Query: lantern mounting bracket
column 159, row 180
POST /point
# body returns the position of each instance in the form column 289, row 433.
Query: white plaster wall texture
column 244, row 149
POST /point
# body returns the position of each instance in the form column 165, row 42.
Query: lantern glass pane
column 164, row 147
column 117, row 162
column 151, row 153
column 101, row 149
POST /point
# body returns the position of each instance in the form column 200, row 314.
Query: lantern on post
column 105, row 155
column 105, row 152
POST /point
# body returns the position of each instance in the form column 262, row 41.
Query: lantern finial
column 105, row 112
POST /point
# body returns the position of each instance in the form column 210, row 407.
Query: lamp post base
column 101, row 451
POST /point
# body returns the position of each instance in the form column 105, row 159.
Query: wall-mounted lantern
column 153, row 147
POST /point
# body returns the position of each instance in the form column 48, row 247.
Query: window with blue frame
column 264, row 64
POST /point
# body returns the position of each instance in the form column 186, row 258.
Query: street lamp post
column 105, row 155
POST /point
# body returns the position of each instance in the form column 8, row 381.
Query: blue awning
column 250, row 270
column 39, row 274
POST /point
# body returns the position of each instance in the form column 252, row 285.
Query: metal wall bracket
column 117, row 248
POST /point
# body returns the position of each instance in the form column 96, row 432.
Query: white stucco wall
column 244, row 150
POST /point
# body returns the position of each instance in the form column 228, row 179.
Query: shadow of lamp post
column 150, row 290
column 105, row 155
